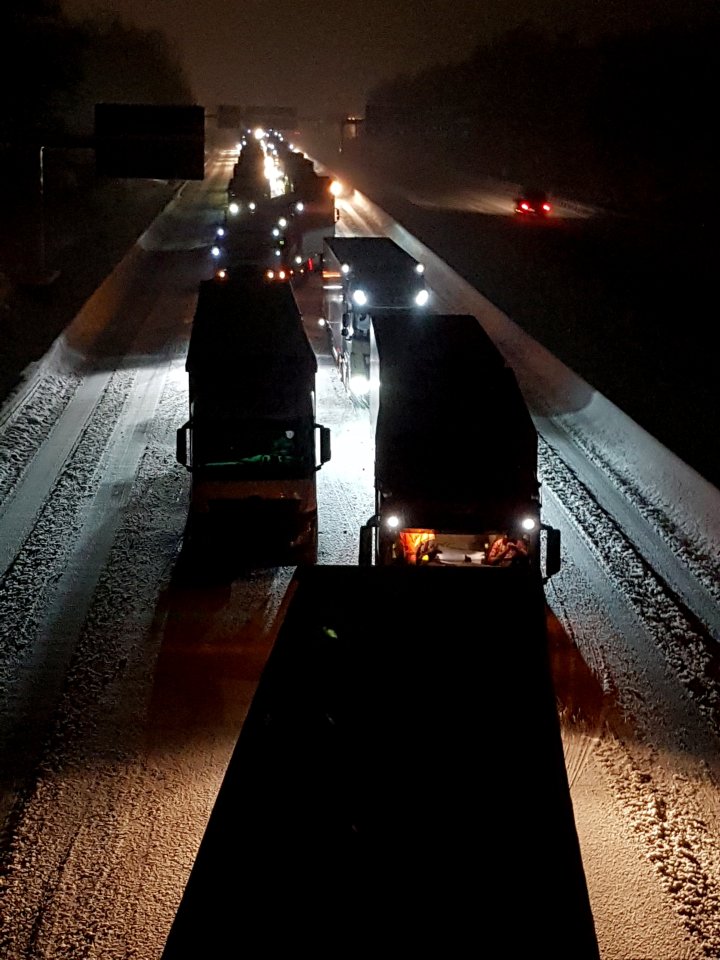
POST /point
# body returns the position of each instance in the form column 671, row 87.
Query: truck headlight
column 421, row 298
column 360, row 297
column 528, row 523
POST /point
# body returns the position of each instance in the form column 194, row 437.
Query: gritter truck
column 456, row 480
column 251, row 441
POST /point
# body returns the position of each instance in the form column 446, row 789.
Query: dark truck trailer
column 248, row 182
column 314, row 216
column 398, row 787
column 251, row 442
column 256, row 238
column 362, row 276
column 299, row 170
column 456, row 478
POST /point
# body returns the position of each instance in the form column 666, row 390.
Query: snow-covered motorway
column 126, row 673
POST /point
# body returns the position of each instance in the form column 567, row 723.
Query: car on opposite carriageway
column 533, row 202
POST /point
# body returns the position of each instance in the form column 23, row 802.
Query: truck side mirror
column 181, row 444
column 552, row 551
column 324, row 445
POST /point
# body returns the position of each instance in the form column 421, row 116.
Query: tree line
column 633, row 112
column 56, row 69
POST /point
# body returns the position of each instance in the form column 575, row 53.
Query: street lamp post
column 44, row 276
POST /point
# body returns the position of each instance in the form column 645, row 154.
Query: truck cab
column 251, row 442
column 456, row 479
column 363, row 277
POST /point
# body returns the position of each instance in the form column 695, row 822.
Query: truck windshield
column 417, row 546
column 254, row 449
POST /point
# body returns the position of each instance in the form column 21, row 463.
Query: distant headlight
column 393, row 521
column 220, row 232
column 359, row 385
column 360, row 297
column 215, row 251
column 421, row 298
column 419, row 268
column 299, row 206
column 234, row 209
column 252, row 205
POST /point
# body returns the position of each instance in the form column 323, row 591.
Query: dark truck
column 361, row 276
column 456, row 478
column 251, row 442
column 398, row 787
column 249, row 183
column 256, row 238
column 313, row 219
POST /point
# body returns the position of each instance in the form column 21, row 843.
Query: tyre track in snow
column 70, row 441
column 45, row 594
column 59, row 521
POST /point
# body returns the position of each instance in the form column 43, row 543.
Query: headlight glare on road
column 359, row 385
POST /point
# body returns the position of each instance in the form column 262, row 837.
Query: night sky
column 324, row 57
